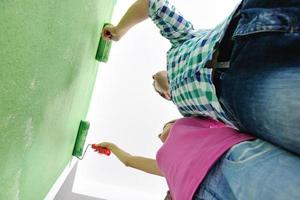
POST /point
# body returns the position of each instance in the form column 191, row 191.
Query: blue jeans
column 260, row 92
column 253, row 170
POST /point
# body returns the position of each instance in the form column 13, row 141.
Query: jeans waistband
column 270, row 3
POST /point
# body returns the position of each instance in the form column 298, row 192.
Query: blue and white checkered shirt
column 191, row 85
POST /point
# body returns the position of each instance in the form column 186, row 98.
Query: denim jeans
column 260, row 92
column 253, row 170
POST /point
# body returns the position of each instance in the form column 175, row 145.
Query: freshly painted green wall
column 48, row 70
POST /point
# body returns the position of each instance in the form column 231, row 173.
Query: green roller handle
column 103, row 49
column 80, row 139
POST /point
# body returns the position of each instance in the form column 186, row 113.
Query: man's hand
column 111, row 32
column 135, row 14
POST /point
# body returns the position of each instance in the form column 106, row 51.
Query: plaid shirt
column 191, row 85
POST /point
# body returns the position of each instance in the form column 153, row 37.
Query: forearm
column 137, row 12
column 141, row 163
column 122, row 155
column 147, row 165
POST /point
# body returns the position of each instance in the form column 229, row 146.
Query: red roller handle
column 101, row 150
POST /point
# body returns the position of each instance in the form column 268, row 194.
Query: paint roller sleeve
column 103, row 49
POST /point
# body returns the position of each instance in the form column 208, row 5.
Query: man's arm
column 144, row 164
column 136, row 13
column 173, row 26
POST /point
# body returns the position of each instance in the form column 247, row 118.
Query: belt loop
column 293, row 24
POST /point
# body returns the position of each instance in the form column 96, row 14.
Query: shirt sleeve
column 171, row 23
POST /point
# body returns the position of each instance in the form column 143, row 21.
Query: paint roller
column 102, row 56
column 80, row 140
column 104, row 47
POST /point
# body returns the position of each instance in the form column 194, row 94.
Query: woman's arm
column 141, row 163
column 136, row 13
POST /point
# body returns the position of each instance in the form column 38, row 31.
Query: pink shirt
column 192, row 147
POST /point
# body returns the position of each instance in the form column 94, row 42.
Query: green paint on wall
column 48, row 69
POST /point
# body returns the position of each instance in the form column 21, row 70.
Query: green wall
column 48, row 70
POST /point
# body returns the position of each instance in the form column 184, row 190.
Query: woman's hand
column 111, row 32
column 107, row 145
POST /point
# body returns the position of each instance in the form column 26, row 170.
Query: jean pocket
column 272, row 20
column 249, row 152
